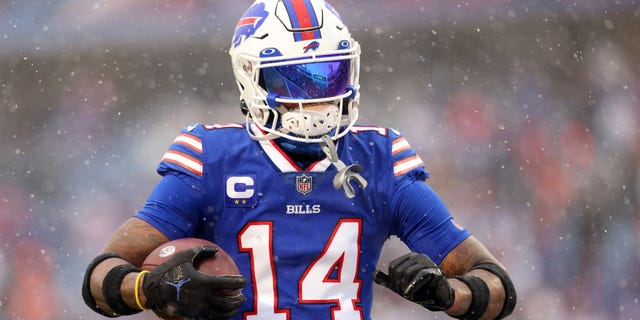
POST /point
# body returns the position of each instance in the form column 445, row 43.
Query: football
column 219, row 264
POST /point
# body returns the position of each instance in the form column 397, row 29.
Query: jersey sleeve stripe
column 183, row 160
column 189, row 141
column 399, row 145
column 403, row 166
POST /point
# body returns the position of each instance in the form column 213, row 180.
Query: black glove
column 415, row 277
column 176, row 288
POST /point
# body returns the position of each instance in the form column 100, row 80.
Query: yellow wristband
column 136, row 292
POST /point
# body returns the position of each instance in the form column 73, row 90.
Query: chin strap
column 249, row 123
column 268, row 136
column 345, row 174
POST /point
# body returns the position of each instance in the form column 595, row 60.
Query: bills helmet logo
column 249, row 23
column 311, row 46
column 304, row 184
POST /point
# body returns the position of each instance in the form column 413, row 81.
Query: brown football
column 219, row 264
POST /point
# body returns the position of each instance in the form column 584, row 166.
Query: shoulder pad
column 405, row 158
column 185, row 154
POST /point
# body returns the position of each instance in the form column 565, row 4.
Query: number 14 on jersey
column 331, row 278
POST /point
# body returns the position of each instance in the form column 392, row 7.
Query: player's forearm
column 462, row 300
column 481, row 284
column 110, row 279
column 97, row 279
column 127, row 287
column 129, row 293
column 463, row 295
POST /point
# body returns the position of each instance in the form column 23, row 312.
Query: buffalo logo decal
column 249, row 23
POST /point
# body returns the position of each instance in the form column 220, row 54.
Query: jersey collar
column 280, row 158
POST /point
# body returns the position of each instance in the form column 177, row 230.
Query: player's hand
column 415, row 277
column 176, row 288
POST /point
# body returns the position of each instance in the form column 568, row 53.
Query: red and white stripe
column 192, row 164
column 190, row 141
column 405, row 165
column 399, row 145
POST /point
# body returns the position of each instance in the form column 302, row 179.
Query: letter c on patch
column 240, row 187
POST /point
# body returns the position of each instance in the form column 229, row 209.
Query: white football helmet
column 296, row 53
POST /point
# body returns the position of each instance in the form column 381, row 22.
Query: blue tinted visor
column 314, row 80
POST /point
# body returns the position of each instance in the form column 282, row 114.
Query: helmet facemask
column 307, row 121
column 286, row 94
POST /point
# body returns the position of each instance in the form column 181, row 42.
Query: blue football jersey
column 307, row 250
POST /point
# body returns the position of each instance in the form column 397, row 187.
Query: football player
column 300, row 196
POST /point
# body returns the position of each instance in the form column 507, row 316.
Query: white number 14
column 331, row 278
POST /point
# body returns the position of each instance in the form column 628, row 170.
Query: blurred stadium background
column 525, row 111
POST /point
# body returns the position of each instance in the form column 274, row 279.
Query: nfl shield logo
column 304, row 184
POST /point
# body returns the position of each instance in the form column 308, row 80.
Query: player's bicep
column 134, row 240
column 464, row 256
